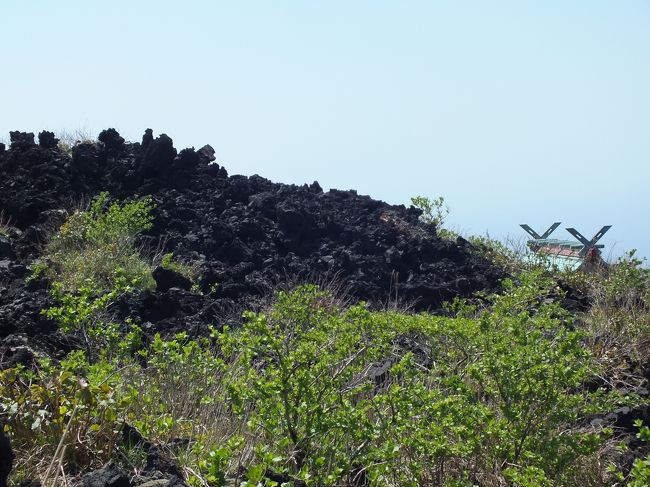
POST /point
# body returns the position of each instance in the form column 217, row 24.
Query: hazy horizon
column 515, row 112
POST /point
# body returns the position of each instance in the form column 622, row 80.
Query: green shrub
column 626, row 283
column 488, row 393
column 298, row 371
column 434, row 211
column 189, row 270
column 183, row 381
column 85, row 312
column 94, row 246
column 619, row 317
column 640, row 473
column 67, row 412
column 71, row 412
column 90, row 262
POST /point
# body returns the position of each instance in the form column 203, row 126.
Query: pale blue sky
column 514, row 111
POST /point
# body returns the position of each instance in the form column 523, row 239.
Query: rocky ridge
column 247, row 234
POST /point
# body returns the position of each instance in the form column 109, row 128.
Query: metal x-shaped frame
column 535, row 235
column 589, row 244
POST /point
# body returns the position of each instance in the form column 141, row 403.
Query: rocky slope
column 248, row 234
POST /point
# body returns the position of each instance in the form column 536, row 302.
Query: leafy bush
column 297, row 371
column 90, row 262
column 640, row 473
column 72, row 412
column 94, row 246
column 182, row 380
column 85, row 312
column 67, row 412
column 495, row 390
column 434, row 211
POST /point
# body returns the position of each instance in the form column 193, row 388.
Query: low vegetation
column 434, row 211
column 313, row 390
column 96, row 246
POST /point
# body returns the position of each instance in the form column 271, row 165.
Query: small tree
column 434, row 211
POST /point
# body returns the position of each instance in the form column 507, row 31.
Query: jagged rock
column 158, row 157
column 21, row 140
column 87, row 160
column 147, row 138
column 176, row 481
column 47, row 140
column 15, row 350
column 155, row 483
column 168, row 278
column 108, row 476
column 207, row 153
column 5, row 248
column 6, row 457
column 159, row 461
column 624, row 417
column 111, row 139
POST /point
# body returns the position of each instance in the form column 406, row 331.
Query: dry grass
column 70, row 138
column 5, row 224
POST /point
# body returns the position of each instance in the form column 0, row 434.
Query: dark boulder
column 87, row 159
column 111, row 139
column 21, row 140
column 132, row 438
column 6, row 457
column 159, row 157
column 159, row 461
column 108, row 476
column 283, row 479
column 168, row 278
column 206, row 153
column 147, row 138
column 6, row 251
column 47, row 140
column 626, row 416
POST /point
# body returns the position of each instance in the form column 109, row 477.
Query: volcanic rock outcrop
column 248, row 234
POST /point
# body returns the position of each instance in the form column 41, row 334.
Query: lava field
column 247, row 235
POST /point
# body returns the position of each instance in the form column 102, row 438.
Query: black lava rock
column 6, row 457
column 108, row 476
column 111, row 139
column 5, row 248
column 159, row 461
column 21, row 140
column 47, row 140
column 168, row 278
